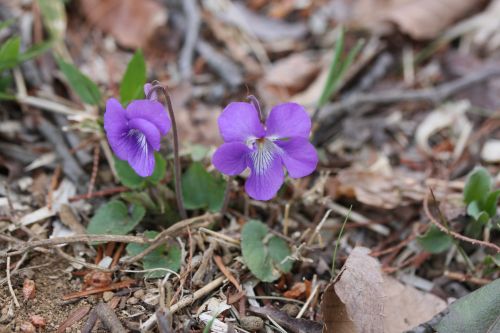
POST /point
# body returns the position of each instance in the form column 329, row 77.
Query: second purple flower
column 135, row 133
column 283, row 141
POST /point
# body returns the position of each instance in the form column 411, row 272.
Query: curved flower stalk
column 134, row 133
column 265, row 146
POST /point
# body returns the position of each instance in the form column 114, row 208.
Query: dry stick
column 192, row 15
column 173, row 231
column 224, row 270
column 434, row 95
column 185, row 301
column 109, row 318
column 453, row 233
column 95, row 168
column 9, row 283
column 177, row 160
column 466, row 278
column 26, row 246
column 103, row 193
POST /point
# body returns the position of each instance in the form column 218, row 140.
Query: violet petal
column 299, row 156
column 288, row 120
column 240, row 121
column 264, row 184
column 231, row 158
column 151, row 111
column 150, row 132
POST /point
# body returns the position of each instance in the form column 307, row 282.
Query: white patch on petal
column 140, row 141
column 262, row 156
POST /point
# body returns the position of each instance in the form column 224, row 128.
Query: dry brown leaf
column 131, row 22
column 293, row 72
column 354, row 301
column 378, row 189
column 361, row 299
column 421, row 19
column 406, row 307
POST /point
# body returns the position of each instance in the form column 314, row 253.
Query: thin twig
column 185, row 301
column 308, row 301
column 109, row 318
column 177, row 160
column 103, row 193
column 453, row 233
column 466, row 278
column 174, row 230
column 224, row 270
column 434, row 95
column 9, row 283
column 192, row 16
column 26, row 246
column 95, row 168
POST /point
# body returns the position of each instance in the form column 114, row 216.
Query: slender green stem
column 227, row 195
column 177, row 160
column 338, row 241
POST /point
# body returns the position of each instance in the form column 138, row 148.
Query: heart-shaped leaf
column 265, row 255
column 115, row 218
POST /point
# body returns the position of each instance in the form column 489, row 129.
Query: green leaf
column 201, row 189
column 264, row 254
column 9, row 53
column 168, row 256
column 491, row 203
column 208, row 328
column 132, row 180
column 132, row 85
column 54, row 18
column 34, row 51
column 140, row 198
column 478, row 311
column 333, row 70
column 477, row 213
column 114, row 218
column 475, row 227
column 83, row 86
column 478, row 185
column 435, row 241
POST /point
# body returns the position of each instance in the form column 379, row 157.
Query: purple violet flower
column 135, row 133
column 282, row 142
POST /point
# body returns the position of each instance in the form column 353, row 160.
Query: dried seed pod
column 28, row 289
column 38, row 321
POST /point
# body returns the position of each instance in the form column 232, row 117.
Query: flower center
column 140, row 139
column 263, row 154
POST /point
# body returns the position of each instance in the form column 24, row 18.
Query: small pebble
column 139, row 294
column 132, row 301
column 27, row 327
column 29, row 289
column 38, row 321
column 252, row 323
column 291, row 309
column 107, row 296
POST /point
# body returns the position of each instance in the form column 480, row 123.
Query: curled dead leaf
column 452, row 116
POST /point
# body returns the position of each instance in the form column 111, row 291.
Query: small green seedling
column 481, row 200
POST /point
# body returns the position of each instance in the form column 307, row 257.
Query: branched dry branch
column 453, row 233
